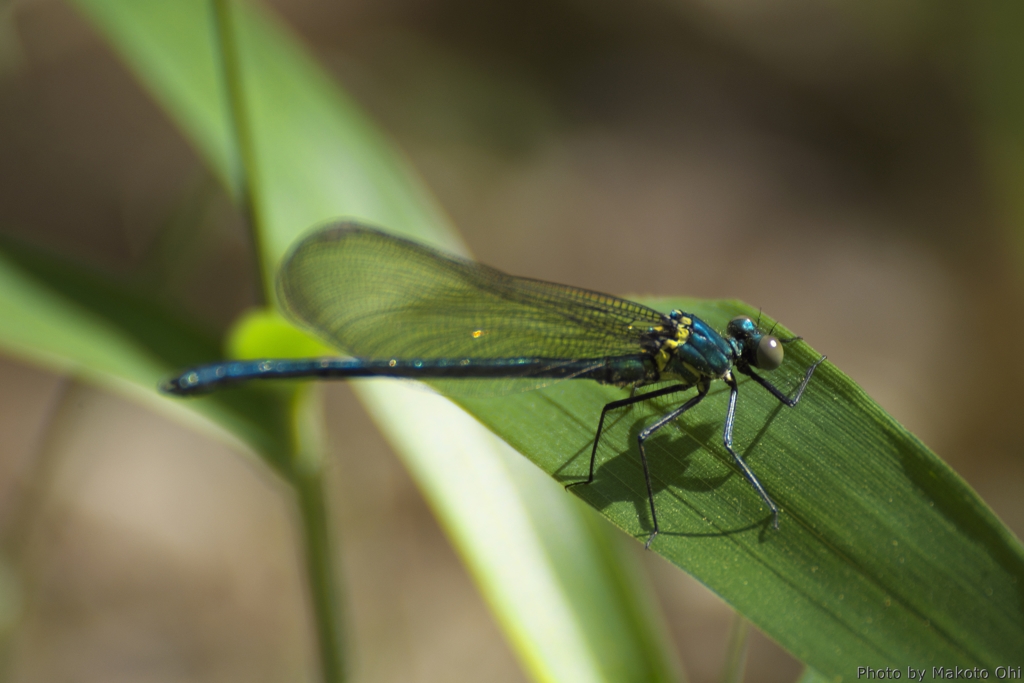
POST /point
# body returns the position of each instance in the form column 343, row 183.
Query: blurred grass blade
column 811, row 676
column 68, row 319
column 997, row 58
column 318, row 158
column 562, row 597
column 736, row 651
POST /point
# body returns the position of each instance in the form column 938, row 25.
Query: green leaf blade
column 883, row 554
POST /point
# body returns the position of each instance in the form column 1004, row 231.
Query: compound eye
column 769, row 353
column 741, row 326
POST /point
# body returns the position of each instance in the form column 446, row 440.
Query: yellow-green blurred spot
column 262, row 333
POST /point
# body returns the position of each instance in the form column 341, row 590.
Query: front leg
column 789, row 401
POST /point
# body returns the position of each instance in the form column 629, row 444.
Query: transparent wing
column 374, row 295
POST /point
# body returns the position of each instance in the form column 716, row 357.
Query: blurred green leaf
column 811, row 676
column 261, row 333
column 996, row 66
column 70, row 319
column 736, row 653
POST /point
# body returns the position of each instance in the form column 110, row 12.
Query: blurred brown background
column 848, row 167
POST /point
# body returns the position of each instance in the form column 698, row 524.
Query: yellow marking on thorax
column 668, row 348
column 664, row 355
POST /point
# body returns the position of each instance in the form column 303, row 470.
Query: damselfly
column 402, row 309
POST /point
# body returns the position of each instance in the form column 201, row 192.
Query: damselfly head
column 763, row 351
